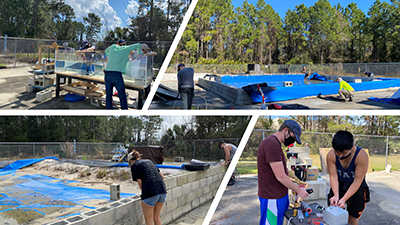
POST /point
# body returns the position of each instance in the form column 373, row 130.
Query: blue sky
column 281, row 7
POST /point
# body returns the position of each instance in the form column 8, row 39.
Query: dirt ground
column 81, row 175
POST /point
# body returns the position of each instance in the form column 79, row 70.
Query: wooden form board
column 83, row 88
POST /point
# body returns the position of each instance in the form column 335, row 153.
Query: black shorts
column 356, row 203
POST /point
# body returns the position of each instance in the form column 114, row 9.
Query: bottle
column 306, row 145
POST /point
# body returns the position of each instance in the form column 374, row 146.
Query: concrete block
column 105, row 216
column 209, row 196
column 203, row 199
column 186, row 188
column 40, row 96
column 171, row 205
column 177, row 191
column 115, row 192
column 207, row 189
column 182, row 200
column 187, row 207
column 164, row 208
column 213, row 186
column 191, row 177
column 166, row 218
column 203, row 182
column 196, row 185
column 123, row 212
column 191, row 196
column 181, row 179
column 176, row 213
column 169, row 195
column 29, row 88
column 209, row 180
column 196, row 203
column 215, row 178
column 199, row 192
column 61, row 222
column 170, row 182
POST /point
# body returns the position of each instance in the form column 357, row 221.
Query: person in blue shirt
column 347, row 167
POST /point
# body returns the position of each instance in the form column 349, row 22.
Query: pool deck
column 205, row 99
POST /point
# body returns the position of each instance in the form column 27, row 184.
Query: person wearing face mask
column 347, row 167
column 273, row 179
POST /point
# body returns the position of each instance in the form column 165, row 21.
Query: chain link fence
column 189, row 149
column 383, row 150
column 348, row 69
column 16, row 52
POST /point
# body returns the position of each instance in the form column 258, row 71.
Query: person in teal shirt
column 117, row 55
column 345, row 90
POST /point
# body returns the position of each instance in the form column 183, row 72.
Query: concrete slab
column 240, row 204
column 13, row 93
column 205, row 99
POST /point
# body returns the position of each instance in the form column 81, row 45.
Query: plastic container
column 335, row 216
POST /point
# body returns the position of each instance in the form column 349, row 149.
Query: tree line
column 54, row 19
column 326, row 126
column 124, row 129
column 219, row 33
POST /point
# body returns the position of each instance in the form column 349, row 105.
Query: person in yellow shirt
column 345, row 90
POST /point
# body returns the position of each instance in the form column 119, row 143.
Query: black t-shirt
column 152, row 182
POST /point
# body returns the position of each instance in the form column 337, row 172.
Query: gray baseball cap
column 295, row 127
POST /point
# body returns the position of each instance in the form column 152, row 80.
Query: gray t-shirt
column 233, row 151
column 185, row 78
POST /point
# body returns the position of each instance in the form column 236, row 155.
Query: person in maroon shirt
column 273, row 179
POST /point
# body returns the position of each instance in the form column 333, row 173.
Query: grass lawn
column 249, row 165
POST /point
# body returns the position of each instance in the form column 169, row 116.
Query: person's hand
column 334, row 200
column 341, row 203
column 303, row 193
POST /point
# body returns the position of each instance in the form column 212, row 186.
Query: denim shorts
column 154, row 199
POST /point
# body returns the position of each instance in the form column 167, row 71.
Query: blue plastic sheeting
column 34, row 192
column 73, row 98
column 300, row 90
column 277, row 80
column 393, row 101
column 158, row 165
column 24, row 162
column 316, row 76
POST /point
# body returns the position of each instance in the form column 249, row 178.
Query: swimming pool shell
column 300, row 89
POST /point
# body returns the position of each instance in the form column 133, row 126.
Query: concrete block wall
column 233, row 94
column 185, row 192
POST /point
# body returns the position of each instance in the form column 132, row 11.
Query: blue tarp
column 74, row 97
column 393, row 101
column 24, row 162
column 301, row 90
column 316, row 76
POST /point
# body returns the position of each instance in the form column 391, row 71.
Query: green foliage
column 321, row 33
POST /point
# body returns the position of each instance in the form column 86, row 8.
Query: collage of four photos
column 197, row 112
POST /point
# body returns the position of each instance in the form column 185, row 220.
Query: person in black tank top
column 151, row 182
column 347, row 166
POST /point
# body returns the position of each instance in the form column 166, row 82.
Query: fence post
column 387, row 150
column 34, row 153
column 19, row 150
column 386, row 71
column 194, row 149
column 15, row 53
column 263, row 134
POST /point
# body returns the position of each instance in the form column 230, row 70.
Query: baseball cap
column 85, row 43
column 180, row 65
column 130, row 156
column 121, row 41
column 295, row 127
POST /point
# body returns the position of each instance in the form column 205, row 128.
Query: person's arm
column 162, row 175
column 140, row 183
column 179, row 81
column 333, row 177
column 361, row 170
column 151, row 53
column 227, row 150
column 279, row 172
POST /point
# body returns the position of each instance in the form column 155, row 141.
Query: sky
column 112, row 12
column 282, row 7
